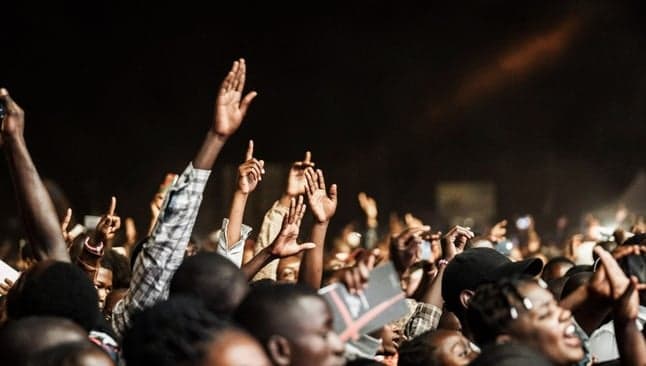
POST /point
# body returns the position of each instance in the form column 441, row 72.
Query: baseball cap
column 476, row 266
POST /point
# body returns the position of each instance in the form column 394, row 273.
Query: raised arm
column 35, row 205
column 272, row 221
column 249, row 175
column 323, row 205
column 163, row 252
column 107, row 227
column 285, row 244
column 630, row 341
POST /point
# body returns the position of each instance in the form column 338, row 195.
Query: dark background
column 544, row 98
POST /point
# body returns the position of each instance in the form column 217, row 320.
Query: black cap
column 476, row 266
column 510, row 354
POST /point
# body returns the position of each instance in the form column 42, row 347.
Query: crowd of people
column 473, row 297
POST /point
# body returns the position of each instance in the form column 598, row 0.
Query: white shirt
column 236, row 251
column 603, row 343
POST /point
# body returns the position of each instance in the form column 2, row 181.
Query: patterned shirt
column 163, row 252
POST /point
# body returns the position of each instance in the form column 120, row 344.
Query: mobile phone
column 426, row 250
column 523, row 222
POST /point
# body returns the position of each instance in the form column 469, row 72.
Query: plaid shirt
column 425, row 317
column 163, row 252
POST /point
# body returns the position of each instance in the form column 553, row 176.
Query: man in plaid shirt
column 163, row 251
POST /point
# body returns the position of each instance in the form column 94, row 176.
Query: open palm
column 322, row 203
column 229, row 108
column 286, row 243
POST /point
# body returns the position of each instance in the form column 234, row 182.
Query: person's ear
column 465, row 298
column 279, row 350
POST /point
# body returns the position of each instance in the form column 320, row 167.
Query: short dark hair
column 21, row 339
column 212, row 278
column 262, row 313
column 56, row 289
column 419, row 351
column 172, row 332
column 552, row 263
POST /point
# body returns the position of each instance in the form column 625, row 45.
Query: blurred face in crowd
column 547, row 327
column 452, row 348
column 312, row 339
column 233, row 348
column 287, row 271
column 103, row 283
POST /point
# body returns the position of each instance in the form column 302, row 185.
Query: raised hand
column 322, row 203
column 296, row 179
column 250, row 172
column 368, row 205
column 498, row 232
column 356, row 277
column 13, row 124
column 64, row 225
column 5, row 286
column 405, row 248
column 412, row 221
column 230, row 107
column 609, row 280
column 455, row 240
column 286, row 243
column 107, row 225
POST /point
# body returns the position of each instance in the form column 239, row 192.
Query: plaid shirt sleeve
column 163, row 252
column 425, row 317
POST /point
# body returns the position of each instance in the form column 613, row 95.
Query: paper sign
column 6, row 271
column 381, row 302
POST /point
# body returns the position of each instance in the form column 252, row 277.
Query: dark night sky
column 390, row 98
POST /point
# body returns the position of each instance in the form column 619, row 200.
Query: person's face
column 547, row 327
column 103, row 284
column 453, row 349
column 313, row 341
column 234, row 348
column 288, row 269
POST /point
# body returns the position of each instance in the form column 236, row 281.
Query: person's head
column 288, row 267
column 474, row 267
column 102, row 281
column 22, row 339
column 57, row 289
column 439, row 347
column 80, row 353
column 181, row 331
column 556, row 268
column 575, row 281
column 293, row 323
column 578, row 269
column 213, row 279
column 521, row 310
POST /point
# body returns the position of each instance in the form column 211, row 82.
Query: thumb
column 306, row 246
column 244, row 105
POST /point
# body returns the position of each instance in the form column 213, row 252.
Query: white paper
column 6, row 271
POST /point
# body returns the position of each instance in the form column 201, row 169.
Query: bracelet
column 442, row 262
